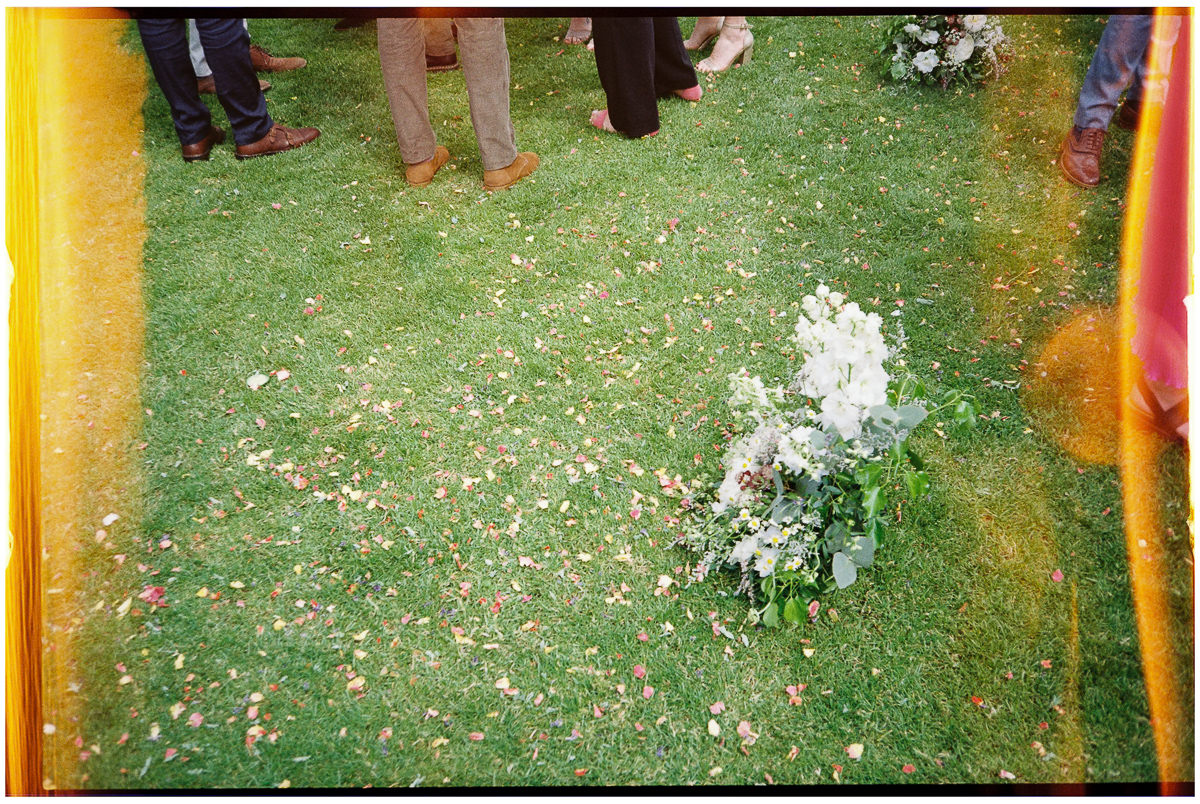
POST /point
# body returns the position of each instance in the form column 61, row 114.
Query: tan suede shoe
column 1079, row 157
column 525, row 163
column 421, row 174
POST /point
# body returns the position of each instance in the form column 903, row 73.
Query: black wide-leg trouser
column 639, row 59
column 227, row 49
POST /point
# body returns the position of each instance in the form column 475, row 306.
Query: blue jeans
column 227, row 47
column 1118, row 64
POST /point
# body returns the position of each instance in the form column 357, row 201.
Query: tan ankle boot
column 421, row 174
column 525, row 163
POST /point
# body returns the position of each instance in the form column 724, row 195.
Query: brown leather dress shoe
column 439, row 64
column 199, row 151
column 420, row 174
column 1127, row 117
column 1079, row 157
column 525, row 163
column 206, row 85
column 278, row 139
column 264, row 62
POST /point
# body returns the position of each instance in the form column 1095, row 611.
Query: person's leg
column 735, row 42
column 227, row 47
column 579, row 30
column 625, row 62
column 484, row 54
column 705, row 31
column 439, row 38
column 165, row 43
column 672, row 67
column 1117, row 58
column 196, row 52
column 402, row 59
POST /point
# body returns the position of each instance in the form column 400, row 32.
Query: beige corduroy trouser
column 484, row 54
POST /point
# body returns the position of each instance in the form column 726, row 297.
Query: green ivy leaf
column 872, row 501
column 792, row 611
column 918, row 484
column 770, row 617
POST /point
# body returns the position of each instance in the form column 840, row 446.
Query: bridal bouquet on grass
column 942, row 49
column 802, row 505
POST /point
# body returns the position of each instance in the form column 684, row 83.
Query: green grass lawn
column 484, row 387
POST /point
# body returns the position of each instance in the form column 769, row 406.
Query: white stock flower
column 962, row 49
column 926, row 60
column 912, row 29
column 930, row 37
column 974, row 22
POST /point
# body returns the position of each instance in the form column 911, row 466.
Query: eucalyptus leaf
column 844, row 572
column 862, row 551
column 837, row 537
column 911, row 416
column 883, row 413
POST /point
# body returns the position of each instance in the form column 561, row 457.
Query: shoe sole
column 444, row 69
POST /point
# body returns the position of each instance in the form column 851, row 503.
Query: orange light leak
column 75, row 228
column 1139, row 448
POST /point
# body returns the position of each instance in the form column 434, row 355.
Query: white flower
column 929, row 37
column 926, row 60
column 911, row 29
column 963, row 49
column 974, row 22
column 766, row 564
column 775, row 537
column 745, row 549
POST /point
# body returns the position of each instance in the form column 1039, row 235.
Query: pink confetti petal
column 639, row 671
column 1056, row 576
column 647, row 692
column 717, row 708
column 643, row 636
column 907, row 769
column 195, row 719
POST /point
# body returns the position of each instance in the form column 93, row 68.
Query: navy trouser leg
column 165, row 42
column 227, row 48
